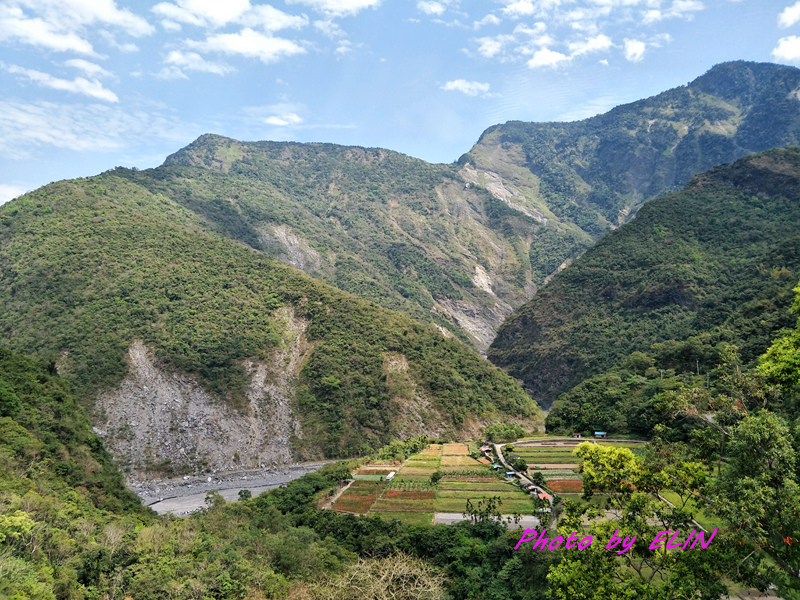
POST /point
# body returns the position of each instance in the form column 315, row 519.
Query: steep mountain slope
column 718, row 258
column 463, row 245
column 595, row 173
column 202, row 352
column 387, row 227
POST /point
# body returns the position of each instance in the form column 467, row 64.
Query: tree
column 758, row 494
column 519, row 464
column 398, row 577
column 619, row 563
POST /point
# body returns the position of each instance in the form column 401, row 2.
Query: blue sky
column 91, row 84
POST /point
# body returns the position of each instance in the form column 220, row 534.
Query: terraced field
column 411, row 497
column 556, row 460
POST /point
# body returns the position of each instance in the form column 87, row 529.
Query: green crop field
column 707, row 521
column 477, row 487
column 510, row 493
column 459, row 505
column 413, row 518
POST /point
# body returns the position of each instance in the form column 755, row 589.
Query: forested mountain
column 462, row 245
column 712, row 263
column 590, row 176
column 389, row 228
column 204, row 353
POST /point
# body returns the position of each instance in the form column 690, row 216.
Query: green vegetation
column 378, row 224
column 504, row 432
column 588, row 176
column 102, row 262
column 659, row 297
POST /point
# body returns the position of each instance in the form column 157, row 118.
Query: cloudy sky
column 91, row 84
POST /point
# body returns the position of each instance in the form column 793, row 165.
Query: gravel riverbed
column 185, row 495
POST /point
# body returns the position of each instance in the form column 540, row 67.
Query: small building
column 510, row 473
column 542, row 496
column 496, row 466
column 486, row 448
column 576, row 435
column 600, row 434
column 391, row 475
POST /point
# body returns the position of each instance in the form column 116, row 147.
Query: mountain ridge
column 700, row 263
column 164, row 322
column 462, row 245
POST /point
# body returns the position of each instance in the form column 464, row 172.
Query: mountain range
column 174, row 301
column 462, row 245
column 714, row 263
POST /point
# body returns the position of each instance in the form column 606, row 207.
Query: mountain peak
column 742, row 79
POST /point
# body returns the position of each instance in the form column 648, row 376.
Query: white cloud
column 470, row 88
column 89, row 68
column 489, row 47
column 431, row 8
column 169, row 73
column 284, row 120
column 679, row 9
column 526, row 8
column 788, row 49
column 520, row 8
column 271, row 19
column 251, row 44
column 547, row 58
column 634, row 50
column 489, row 19
column 37, row 32
column 175, row 14
column 71, row 14
column 79, row 85
column 593, row 107
column 191, row 61
column 61, row 25
column 344, row 47
column 338, row 7
column 594, row 44
column 329, row 28
column 790, row 15
column 24, row 127
column 109, row 38
column 10, row 191
column 215, row 14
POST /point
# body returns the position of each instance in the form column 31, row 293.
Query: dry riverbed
column 185, row 495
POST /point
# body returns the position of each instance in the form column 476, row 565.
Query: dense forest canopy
column 712, row 263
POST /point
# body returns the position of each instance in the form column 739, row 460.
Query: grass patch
column 455, row 449
column 523, row 506
column 360, row 477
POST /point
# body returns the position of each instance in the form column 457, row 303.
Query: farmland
column 411, row 497
column 556, row 461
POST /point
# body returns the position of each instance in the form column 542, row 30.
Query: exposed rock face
column 481, row 325
column 158, row 418
column 292, row 250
